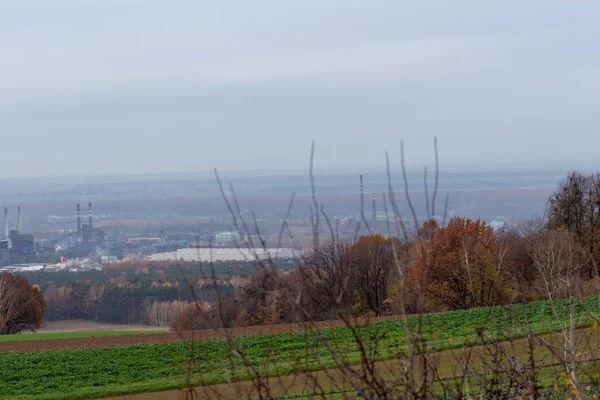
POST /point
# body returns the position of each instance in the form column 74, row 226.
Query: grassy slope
column 86, row 373
column 72, row 335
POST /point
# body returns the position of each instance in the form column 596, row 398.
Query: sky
column 96, row 87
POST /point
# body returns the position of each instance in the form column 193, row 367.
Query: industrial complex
column 86, row 246
column 15, row 242
column 86, row 233
column 17, row 246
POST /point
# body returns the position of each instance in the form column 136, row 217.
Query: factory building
column 222, row 239
column 22, row 243
column 4, row 253
column 86, row 233
column 15, row 241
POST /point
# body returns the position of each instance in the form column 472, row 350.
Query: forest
column 137, row 292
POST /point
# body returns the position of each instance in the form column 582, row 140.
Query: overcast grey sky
column 130, row 86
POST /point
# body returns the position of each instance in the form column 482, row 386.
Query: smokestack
column 90, row 223
column 19, row 220
column 362, row 198
column 6, row 222
column 78, row 220
column 374, row 210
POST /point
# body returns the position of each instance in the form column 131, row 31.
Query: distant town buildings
column 222, row 254
column 227, row 238
column 28, row 267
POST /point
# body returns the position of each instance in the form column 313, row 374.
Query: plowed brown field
column 88, row 342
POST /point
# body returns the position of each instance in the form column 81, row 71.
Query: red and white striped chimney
column 90, row 212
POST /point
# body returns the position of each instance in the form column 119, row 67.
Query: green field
column 100, row 372
column 72, row 335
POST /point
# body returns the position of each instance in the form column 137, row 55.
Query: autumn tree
column 199, row 316
column 560, row 262
column 470, row 267
column 514, row 245
column 327, row 281
column 575, row 206
column 22, row 306
column 371, row 260
column 264, row 299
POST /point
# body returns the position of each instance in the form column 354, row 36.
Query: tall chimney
column 90, row 223
column 362, row 199
column 6, row 222
column 19, row 220
column 374, row 210
column 78, row 220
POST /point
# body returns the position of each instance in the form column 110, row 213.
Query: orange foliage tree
column 469, row 268
column 371, row 258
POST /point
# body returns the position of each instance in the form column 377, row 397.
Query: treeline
column 137, row 292
column 463, row 264
column 460, row 264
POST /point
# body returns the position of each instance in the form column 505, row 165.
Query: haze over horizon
column 121, row 87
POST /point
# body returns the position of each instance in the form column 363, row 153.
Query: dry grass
column 78, row 325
